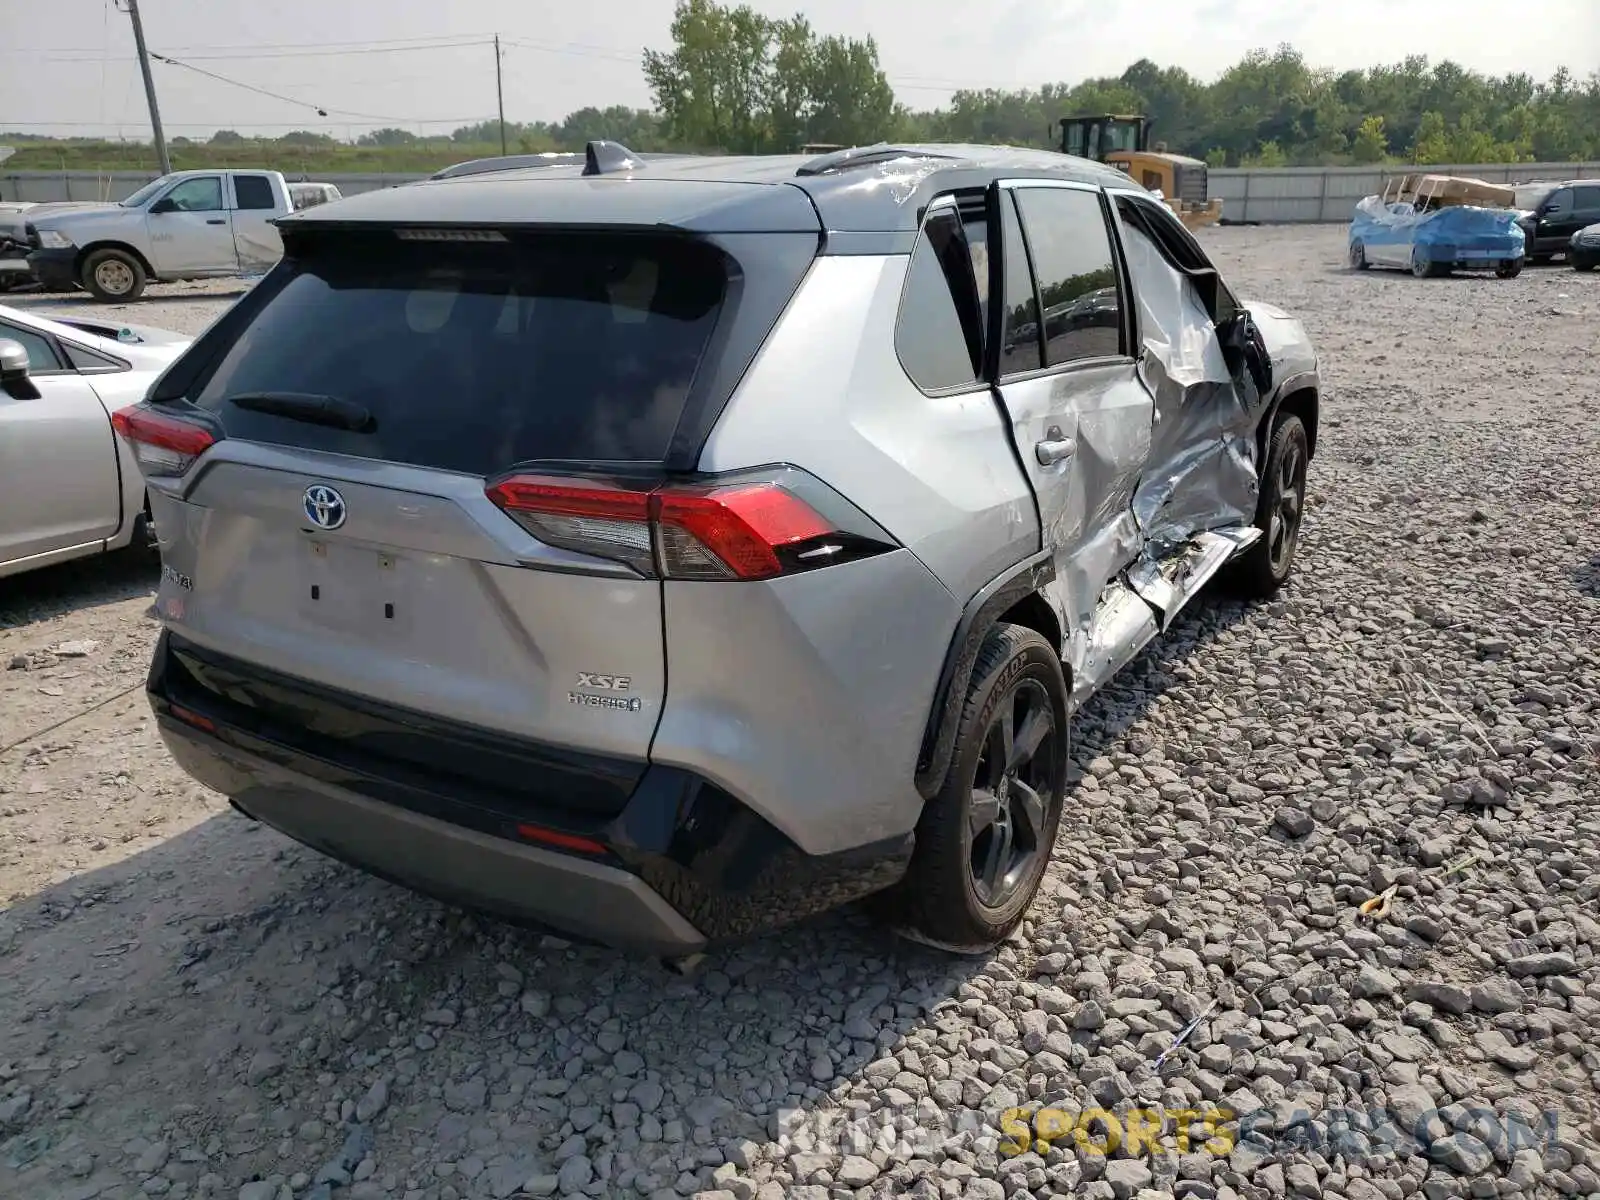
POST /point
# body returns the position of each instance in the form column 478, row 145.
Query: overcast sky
column 68, row 67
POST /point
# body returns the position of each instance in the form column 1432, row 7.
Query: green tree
column 1371, row 144
column 713, row 89
column 387, row 137
column 739, row 81
column 1270, row 155
column 1433, row 140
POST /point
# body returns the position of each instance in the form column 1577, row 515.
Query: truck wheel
column 985, row 840
column 113, row 276
column 1358, row 256
column 1509, row 269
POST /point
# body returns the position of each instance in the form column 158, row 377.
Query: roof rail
column 505, row 162
column 606, row 158
column 862, row 156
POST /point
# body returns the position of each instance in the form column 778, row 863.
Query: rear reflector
column 561, row 841
column 192, row 718
column 163, row 445
column 746, row 530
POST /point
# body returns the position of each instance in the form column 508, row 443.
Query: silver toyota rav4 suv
column 663, row 551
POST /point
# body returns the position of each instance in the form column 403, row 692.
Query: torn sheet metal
column 1089, row 511
column 1202, row 469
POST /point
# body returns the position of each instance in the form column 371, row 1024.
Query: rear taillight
column 743, row 529
column 163, row 445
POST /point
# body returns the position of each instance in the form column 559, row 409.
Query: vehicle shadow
column 170, row 971
column 52, row 592
column 1587, row 578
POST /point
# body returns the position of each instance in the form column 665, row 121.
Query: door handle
column 215, row 221
column 1054, row 448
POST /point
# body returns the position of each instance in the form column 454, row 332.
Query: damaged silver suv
column 662, row 551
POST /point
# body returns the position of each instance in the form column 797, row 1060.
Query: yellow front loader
column 1122, row 142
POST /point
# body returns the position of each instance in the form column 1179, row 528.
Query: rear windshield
column 475, row 356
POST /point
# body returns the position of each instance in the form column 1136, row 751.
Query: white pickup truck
column 186, row 225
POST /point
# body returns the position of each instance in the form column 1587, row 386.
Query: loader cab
column 1123, row 142
column 1100, row 136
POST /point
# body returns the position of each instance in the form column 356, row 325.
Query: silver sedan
column 69, row 487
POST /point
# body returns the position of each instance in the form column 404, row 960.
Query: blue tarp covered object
column 1457, row 235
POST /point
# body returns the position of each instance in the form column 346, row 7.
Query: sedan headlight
column 53, row 239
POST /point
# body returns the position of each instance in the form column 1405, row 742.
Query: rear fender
column 1012, row 590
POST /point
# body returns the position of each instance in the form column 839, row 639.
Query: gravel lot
column 193, row 1005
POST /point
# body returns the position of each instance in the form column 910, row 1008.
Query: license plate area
column 357, row 590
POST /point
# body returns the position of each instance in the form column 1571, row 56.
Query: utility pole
column 149, row 88
column 499, row 93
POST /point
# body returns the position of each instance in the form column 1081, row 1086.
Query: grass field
column 292, row 160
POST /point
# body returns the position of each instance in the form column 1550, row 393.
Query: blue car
column 1435, row 241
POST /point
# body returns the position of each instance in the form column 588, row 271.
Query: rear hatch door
column 339, row 530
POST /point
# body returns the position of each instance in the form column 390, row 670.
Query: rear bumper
column 679, row 863
column 54, row 268
column 461, row 866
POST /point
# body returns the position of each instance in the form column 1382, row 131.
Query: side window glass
column 1071, row 247
column 198, row 195
column 933, row 335
column 1560, row 201
column 88, row 360
column 1019, row 346
column 1588, row 199
column 253, row 192
column 975, row 228
column 41, row 357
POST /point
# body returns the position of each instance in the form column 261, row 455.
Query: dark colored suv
column 1556, row 211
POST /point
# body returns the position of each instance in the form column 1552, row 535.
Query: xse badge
column 605, row 694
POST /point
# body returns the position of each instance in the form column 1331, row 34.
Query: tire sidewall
column 1033, row 660
column 1288, row 429
column 90, row 285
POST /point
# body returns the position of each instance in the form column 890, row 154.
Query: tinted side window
column 1019, row 348
column 1560, row 201
column 1071, row 248
column 253, row 192
column 197, row 195
column 935, row 341
column 40, row 355
column 1587, row 199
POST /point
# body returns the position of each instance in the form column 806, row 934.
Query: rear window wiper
column 310, row 407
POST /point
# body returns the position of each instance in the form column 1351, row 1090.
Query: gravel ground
column 196, row 1006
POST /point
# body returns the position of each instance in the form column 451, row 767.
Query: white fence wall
column 1287, row 195
column 1290, row 195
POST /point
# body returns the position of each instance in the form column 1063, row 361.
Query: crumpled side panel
column 1110, row 428
column 1201, row 472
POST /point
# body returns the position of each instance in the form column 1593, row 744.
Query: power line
column 374, row 44
column 7, row 124
column 250, row 87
